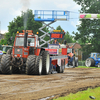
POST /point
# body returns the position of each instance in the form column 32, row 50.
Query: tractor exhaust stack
column 25, row 39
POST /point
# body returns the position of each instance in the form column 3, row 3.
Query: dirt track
column 25, row 87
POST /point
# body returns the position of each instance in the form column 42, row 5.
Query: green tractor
column 3, row 50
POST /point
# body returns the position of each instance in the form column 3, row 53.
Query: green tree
column 89, row 30
column 59, row 28
column 69, row 38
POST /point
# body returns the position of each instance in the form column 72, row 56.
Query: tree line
column 89, row 30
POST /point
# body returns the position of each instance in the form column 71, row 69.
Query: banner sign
column 89, row 16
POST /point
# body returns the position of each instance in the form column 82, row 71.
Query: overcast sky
column 9, row 9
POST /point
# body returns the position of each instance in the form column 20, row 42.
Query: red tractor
column 26, row 56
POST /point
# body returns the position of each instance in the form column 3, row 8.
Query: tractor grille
column 18, row 50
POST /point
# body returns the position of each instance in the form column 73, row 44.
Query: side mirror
column 65, row 42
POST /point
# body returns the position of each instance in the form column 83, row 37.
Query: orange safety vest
column 70, row 54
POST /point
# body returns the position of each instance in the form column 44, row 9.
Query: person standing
column 55, row 41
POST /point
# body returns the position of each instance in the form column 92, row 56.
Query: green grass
column 83, row 95
column 86, row 67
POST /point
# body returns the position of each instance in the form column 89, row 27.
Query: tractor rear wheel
column 6, row 67
column 89, row 62
column 45, row 63
column 38, row 65
column 30, row 65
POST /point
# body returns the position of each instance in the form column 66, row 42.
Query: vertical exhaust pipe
column 25, row 39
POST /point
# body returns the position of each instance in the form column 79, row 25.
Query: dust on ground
column 32, row 87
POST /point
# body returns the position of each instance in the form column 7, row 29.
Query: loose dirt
column 27, row 87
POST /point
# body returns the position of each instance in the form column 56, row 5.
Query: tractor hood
column 98, row 59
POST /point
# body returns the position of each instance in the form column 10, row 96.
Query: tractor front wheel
column 6, row 67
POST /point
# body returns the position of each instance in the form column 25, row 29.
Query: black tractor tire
column 9, row 51
column 38, row 65
column 89, row 62
column 0, row 57
column 15, row 70
column 45, row 63
column 76, row 62
column 5, row 64
column 73, row 62
column 42, row 52
column 62, row 66
column 30, row 65
column 60, row 69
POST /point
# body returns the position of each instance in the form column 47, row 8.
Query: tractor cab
column 95, row 56
column 24, row 44
column 32, row 39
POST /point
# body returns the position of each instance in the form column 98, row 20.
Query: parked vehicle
column 93, row 60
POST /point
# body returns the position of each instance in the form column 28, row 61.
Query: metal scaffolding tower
column 50, row 16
